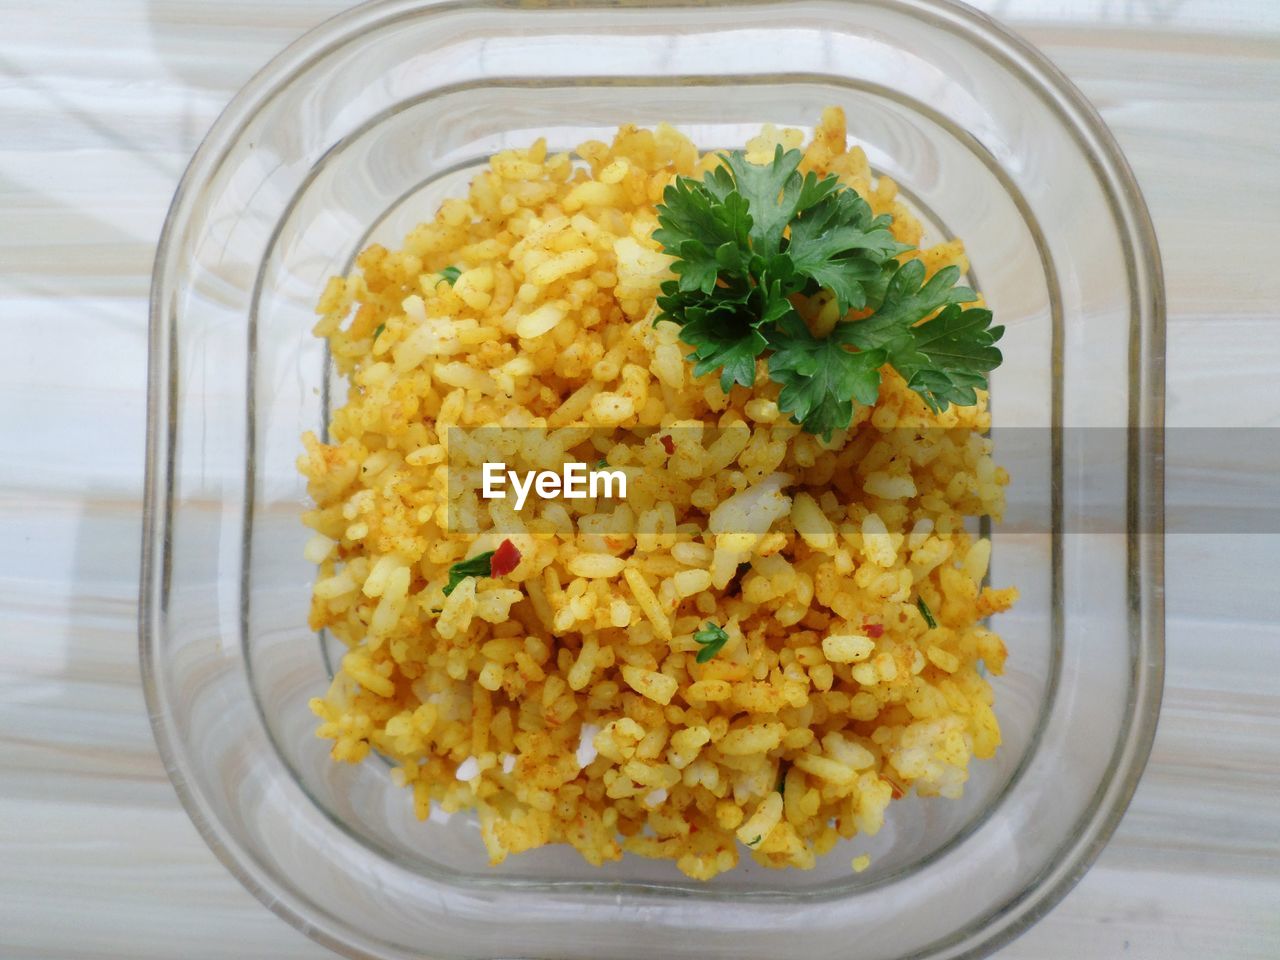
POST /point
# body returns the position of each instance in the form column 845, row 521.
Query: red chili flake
column 874, row 630
column 668, row 444
column 505, row 559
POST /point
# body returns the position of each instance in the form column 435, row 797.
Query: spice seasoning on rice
column 563, row 691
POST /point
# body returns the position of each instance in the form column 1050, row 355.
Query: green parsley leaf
column 820, row 378
column 775, row 193
column 694, row 225
column 948, row 357
column 602, row 463
column 451, row 274
column 838, row 244
column 712, row 638
column 748, row 238
column 377, row 331
column 478, row 566
column 944, row 359
column 907, row 301
column 926, row 612
column 754, row 840
column 721, row 340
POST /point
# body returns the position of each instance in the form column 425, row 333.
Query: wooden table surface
column 101, row 105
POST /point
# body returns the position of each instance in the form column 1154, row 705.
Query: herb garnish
column 377, row 331
column 478, row 566
column 491, row 563
column 601, row 463
column 712, row 638
column 748, row 236
column 926, row 612
column 451, row 274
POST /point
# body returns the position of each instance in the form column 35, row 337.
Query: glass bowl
column 353, row 134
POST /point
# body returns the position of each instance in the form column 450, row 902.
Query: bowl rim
column 1145, row 549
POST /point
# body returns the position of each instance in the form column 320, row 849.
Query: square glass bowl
column 355, row 133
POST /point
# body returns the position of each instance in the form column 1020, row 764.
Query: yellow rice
column 563, row 702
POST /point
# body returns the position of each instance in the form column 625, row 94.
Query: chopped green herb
column 754, row 840
column 748, row 237
column 926, row 612
column 782, row 776
column 377, row 331
column 712, row 638
column 451, row 274
column 478, row 566
column 601, row 463
column 943, row 359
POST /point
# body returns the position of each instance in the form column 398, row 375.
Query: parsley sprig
column 748, row 238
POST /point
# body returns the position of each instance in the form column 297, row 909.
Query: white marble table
column 101, row 104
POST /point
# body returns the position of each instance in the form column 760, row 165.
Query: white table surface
column 102, row 103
